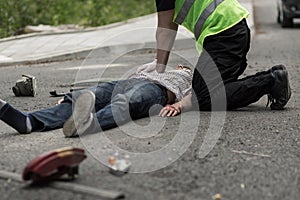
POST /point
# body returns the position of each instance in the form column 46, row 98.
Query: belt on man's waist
column 168, row 94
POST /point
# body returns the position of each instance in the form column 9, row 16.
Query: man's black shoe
column 281, row 90
column 276, row 67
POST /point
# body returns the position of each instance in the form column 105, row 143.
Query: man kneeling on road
column 106, row 105
column 273, row 82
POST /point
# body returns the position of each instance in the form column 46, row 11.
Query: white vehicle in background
column 287, row 10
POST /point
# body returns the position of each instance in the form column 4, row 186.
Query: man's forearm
column 165, row 37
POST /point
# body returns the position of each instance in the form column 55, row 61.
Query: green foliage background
column 16, row 14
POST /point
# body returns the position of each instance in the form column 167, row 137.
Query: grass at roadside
column 16, row 14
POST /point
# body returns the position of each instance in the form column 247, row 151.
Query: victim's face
column 181, row 67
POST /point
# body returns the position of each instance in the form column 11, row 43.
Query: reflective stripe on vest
column 204, row 15
column 183, row 12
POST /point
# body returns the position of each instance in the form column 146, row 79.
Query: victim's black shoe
column 281, row 90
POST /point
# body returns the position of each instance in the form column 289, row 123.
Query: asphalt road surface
column 256, row 157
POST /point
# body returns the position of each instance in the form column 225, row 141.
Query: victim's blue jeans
column 116, row 103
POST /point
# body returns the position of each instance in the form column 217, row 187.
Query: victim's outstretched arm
column 177, row 108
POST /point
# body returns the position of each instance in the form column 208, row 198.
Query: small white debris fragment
column 217, row 197
column 127, row 156
column 116, row 154
column 118, row 167
column 243, row 186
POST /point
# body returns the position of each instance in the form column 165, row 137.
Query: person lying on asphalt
column 106, row 105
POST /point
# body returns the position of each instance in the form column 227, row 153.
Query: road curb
column 84, row 53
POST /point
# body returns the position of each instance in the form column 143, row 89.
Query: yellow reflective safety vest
column 208, row 17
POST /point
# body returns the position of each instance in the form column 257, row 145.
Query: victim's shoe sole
column 81, row 115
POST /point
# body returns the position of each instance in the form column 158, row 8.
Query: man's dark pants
column 220, row 64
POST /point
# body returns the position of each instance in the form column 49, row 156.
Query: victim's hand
column 170, row 110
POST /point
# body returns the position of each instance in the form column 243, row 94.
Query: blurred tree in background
column 16, row 14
